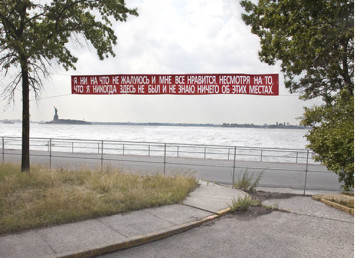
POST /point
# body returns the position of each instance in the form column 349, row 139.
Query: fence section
column 228, row 161
column 297, row 156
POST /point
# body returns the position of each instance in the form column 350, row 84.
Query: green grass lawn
column 47, row 197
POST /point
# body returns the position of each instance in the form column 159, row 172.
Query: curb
column 334, row 204
column 139, row 240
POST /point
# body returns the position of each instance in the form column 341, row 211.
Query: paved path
column 308, row 229
column 96, row 236
column 276, row 175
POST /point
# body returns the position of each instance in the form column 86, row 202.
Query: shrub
column 246, row 182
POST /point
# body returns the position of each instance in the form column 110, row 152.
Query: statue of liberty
column 56, row 117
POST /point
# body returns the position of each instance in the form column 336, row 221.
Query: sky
column 168, row 37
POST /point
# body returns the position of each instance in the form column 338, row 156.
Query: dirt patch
column 255, row 211
column 262, row 195
column 252, row 213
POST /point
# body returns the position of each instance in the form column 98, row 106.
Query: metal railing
column 232, row 158
column 203, row 151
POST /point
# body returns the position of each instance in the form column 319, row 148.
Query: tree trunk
column 25, row 155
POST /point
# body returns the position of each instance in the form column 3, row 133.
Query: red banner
column 178, row 84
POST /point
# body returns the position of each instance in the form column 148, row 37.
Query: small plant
column 243, row 203
column 246, row 182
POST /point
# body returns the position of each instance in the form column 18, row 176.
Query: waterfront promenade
column 286, row 177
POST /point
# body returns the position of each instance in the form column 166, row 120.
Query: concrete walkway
column 308, row 229
column 106, row 234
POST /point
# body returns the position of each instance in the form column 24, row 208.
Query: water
column 248, row 137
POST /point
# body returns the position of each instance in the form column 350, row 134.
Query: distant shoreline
column 68, row 122
column 225, row 125
column 265, row 126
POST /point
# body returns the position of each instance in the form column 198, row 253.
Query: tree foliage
column 314, row 41
column 35, row 33
column 32, row 33
column 332, row 136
